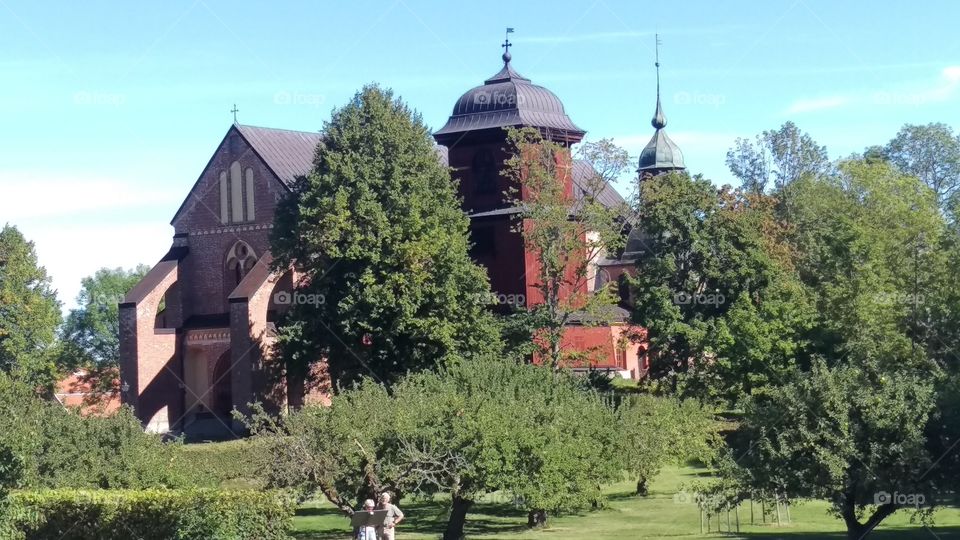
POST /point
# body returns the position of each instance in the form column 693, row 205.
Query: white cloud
column 70, row 253
column 817, row 104
column 28, row 195
column 914, row 93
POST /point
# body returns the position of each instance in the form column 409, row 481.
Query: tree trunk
column 537, row 518
column 642, row 489
column 859, row 531
column 458, row 517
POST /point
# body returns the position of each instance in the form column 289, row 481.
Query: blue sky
column 110, row 110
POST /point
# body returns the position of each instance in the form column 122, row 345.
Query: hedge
column 67, row 514
column 223, row 464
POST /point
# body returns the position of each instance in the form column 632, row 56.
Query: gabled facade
column 195, row 331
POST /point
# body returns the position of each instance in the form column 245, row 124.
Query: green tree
column 777, row 158
column 858, row 243
column 849, row 435
column 90, row 335
column 469, row 429
column 930, row 152
column 665, row 430
column 29, row 311
column 92, row 330
column 714, row 271
column 56, row 447
column 378, row 235
column 569, row 233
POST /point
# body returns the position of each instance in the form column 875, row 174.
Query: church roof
column 582, row 173
column 508, row 99
column 288, row 153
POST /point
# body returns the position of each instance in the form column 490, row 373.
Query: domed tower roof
column 661, row 154
column 508, row 99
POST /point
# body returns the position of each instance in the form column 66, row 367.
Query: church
column 197, row 331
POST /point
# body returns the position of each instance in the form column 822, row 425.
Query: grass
column 655, row 517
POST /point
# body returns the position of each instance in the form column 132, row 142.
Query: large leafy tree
column 468, row 430
column 29, row 311
column 776, row 158
column 853, row 436
column 379, row 238
column 863, row 244
column 930, row 152
column 714, row 273
column 90, row 331
column 570, row 230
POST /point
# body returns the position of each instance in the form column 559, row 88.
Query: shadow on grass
column 892, row 533
column 423, row 517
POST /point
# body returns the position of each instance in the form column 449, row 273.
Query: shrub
column 224, row 464
column 55, row 447
column 150, row 514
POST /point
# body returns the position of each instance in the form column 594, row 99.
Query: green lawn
column 654, row 517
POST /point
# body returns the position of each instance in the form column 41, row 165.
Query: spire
column 659, row 120
column 661, row 154
column 506, row 47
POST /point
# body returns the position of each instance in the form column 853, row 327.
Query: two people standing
column 388, row 530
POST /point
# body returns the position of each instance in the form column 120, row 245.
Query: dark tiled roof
column 289, row 154
column 509, row 99
column 582, row 174
column 605, row 315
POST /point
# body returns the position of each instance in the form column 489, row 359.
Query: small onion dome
column 508, row 99
column 661, row 154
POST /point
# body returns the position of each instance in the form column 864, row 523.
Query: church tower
column 661, row 154
column 476, row 141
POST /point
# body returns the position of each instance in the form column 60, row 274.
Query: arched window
column 240, row 260
column 236, row 194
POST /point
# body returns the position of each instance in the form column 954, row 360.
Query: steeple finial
column 659, row 120
column 234, row 110
column 506, row 46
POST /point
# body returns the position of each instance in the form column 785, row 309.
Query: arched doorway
column 222, row 387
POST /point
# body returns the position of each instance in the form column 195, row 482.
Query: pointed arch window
column 237, row 194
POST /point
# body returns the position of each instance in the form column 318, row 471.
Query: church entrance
column 222, row 387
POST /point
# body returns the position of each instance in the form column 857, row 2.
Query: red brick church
column 196, row 332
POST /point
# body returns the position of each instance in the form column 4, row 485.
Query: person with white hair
column 369, row 532
column 394, row 517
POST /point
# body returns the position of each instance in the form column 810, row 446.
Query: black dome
column 509, row 99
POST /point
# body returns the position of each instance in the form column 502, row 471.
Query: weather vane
column 234, row 110
column 506, row 45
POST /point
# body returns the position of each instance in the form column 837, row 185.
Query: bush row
column 230, row 464
column 153, row 514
